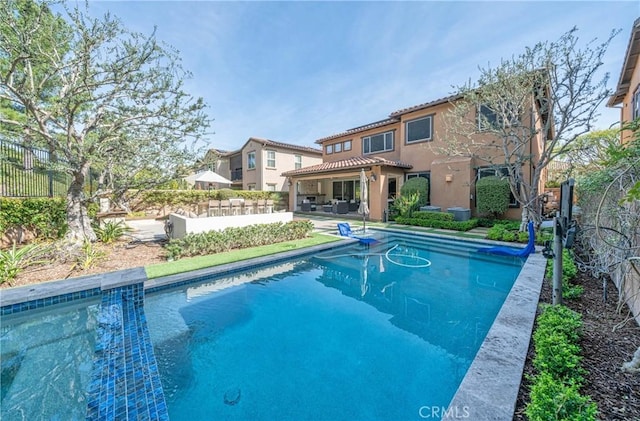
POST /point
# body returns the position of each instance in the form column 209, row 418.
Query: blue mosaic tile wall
column 125, row 383
column 44, row 302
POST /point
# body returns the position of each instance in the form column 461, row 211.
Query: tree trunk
column 77, row 216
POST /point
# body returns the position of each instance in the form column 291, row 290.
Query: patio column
column 377, row 198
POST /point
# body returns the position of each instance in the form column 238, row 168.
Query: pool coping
column 490, row 387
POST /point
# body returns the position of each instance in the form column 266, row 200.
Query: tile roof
column 355, row 162
column 630, row 60
column 380, row 123
column 394, row 117
column 283, row 145
column 425, row 105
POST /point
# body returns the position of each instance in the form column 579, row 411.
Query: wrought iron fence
column 31, row 172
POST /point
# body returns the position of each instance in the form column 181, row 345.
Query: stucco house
column 392, row 151
column 259, row 163
column 627, row 93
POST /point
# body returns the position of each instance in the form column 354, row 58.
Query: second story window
column 297, row 159
column 487, row 118
column 346, row 145
column 337, row 147
column 377, row 143
column 251, row 161
column 328, row 149
column 419, row 130
column 271, row 159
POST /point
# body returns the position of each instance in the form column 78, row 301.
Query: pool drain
column 232, row 396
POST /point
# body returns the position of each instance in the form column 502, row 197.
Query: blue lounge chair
column 345, row 230
column 508, row 251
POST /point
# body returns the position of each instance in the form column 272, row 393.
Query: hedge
column 212, row 242
column 492, row 195
column 45, row 217
column 438, row 223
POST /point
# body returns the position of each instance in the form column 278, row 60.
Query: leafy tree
column 549, row 92
column 588, row 152
column 97, row 96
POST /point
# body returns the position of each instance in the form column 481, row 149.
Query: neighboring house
column 259, row 164
column 392, row 151
column 627, row 93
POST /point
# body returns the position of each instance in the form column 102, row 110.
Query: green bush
column 46, row 217
column 555, row 391
column 492, row 195
column 437, row 223
column 111, row 231
column 417, row 185
column 507, row 231
column 433, row 216
column 569, row 272
column 406, row 204
column 156, row 198
column 212, row 242
column 15, row 259
column 552, row 399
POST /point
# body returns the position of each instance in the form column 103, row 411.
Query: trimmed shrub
column 438, row 223
column 417, row 185
column 569, row 272
column 212, row 242
column 492, row 195
column 433, row 216
column 552, row 399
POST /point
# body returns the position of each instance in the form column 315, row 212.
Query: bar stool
column 249, row 207
column 261, row 205
column 269, row 206
column 225, row 207
column 214, row 208
column 236, row 207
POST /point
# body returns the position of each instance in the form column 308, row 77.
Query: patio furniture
column 262, row 203
column 249, row 207
column 306, row 206
column 236, row 207
column 269, row 206
column 353, row 206
column 225, row 207
column 341, row 207
column 327, row 208
column 213, row 208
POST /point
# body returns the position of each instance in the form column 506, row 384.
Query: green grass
column 200, row 262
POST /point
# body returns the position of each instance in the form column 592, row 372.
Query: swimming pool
column 358, row 332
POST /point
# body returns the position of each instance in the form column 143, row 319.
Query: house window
column 337, row 147
column 271, row 159
column 346, row 145
column 502, row 171
column 378, row 143
column 297, row 159
column 635, row 112
column 426, row 175
column 271, row 187
column 251, row 161
column 487, row 118
column 251, row 187
column 419, row 130
column 329, row 149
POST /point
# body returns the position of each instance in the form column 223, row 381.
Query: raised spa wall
column 181, row 225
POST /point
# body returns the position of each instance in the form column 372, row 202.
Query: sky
column 296, row 72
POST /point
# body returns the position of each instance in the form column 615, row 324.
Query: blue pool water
column 363, row 332
column 369, row 332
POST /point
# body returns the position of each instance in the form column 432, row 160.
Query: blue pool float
column 345, row 230
column 509, row 251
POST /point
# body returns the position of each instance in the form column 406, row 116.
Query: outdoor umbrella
column 364, row 198
column 364, row 281
column 211, row 177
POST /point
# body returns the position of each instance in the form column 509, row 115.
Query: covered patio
column 333, row 188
